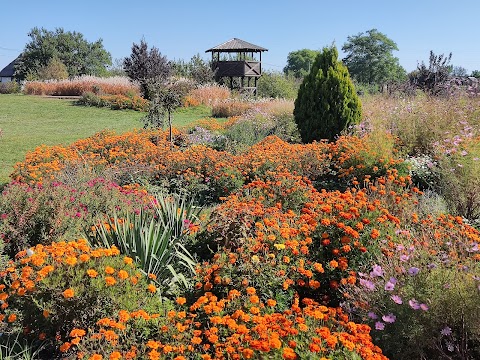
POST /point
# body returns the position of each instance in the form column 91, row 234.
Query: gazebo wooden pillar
column 238, row 67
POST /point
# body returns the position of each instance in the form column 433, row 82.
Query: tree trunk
column 170, row 128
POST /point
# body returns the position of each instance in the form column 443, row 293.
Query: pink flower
column 424, row 307
column 414, row 304
column 390, row 318
column 397, row 299
column 379, row 325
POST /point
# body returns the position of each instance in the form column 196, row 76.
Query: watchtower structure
column 246, row 64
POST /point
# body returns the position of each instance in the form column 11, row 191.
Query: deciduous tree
column 370, row 59
column 78, row 55
column 299, row 62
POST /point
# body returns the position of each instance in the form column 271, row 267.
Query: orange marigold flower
column 374, row 234
column 152, row 276
column 65, row 346
column 289, row 354
column 247, row 353
column 251, row 290
column 115, row 356
column 71, row 260
column 42, row 336
column 254, row 310
column 333, row 264
column 95, row 357
column 77, row 333
column 151, row 288
column 151, row 344
column 254, row 299
column 154, row 355
column 11, row 318
column 69, row 293
column 109, row 270
column 110, row 281
column 92, row 273
column 181, row 300
column 271, row 302
column 122, row 274
column 128, row 260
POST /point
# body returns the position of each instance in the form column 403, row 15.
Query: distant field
column 29, row 121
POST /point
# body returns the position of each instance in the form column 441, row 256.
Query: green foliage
column 475, row 73
column 370, row 60
column 196, row 69
column 10, row 87
column 277, row 85
column 12, row 347
column 251, row 130
column 300, row 62
column 147, row 67
column 327, row 102
column 156, row 243
column 54, row 70
column 78, row 55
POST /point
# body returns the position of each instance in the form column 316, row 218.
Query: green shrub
column 327, row 102
column 277, row 85
column 11, row 87
column 42, row 213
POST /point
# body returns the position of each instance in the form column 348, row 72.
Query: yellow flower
column 279, row 246
column 255, row 258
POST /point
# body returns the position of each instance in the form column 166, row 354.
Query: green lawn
column 29, row 121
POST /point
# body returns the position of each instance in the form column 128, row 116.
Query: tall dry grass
column 421, row 123
column 117, row 85
column 209, row 95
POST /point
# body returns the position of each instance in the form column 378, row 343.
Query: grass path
column 29, row 121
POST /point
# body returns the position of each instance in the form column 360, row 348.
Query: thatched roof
column 236, row 45
column 9, row 70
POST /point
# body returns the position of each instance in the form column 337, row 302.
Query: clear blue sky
column 181, row 29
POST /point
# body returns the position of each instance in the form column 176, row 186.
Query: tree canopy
column 147, row 66
column 370, row 59
column 299, row 62
column 79, row 56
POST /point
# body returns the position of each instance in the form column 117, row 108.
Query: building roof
column 9, row 70
column 236, row 45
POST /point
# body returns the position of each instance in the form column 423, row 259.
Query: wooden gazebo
column 244, row 65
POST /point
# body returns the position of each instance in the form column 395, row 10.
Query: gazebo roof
column 236, row 45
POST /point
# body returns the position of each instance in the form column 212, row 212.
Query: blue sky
column 181, row 29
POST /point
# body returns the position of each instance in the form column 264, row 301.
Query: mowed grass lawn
column 29, row 121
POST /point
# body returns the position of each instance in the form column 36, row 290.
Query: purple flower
column 396, row 299
column 372, row 315
column 446, row 331
column 367, row 284
column 389, row 286
column 377, row 271
column 390, row 318
column 424, row 307
column 431, row 266
column 404, row 258
column 379, row 325
column 413, row 271
column 414, row 304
